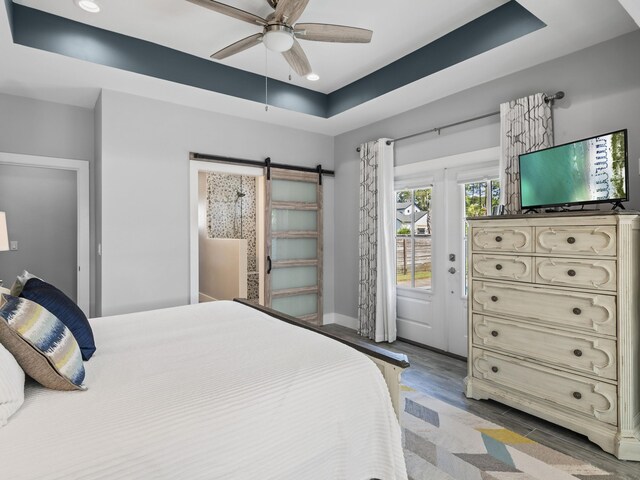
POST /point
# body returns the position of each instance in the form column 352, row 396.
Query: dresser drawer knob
column 498, row 267
column 577, row 395
column 494, row 369
column 498, row 239
column 571, row 273
column 577, row 352
column 494, row 298
column 577, row 311
column 494, row 333
column 571, row 240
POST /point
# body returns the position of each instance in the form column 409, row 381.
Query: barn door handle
column 268, row 265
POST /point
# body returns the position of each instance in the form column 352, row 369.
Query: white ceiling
column 633, row 8
column 572, row 25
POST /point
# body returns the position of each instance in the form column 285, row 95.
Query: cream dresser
column 554, row 324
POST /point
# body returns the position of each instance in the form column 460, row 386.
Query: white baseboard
column 338, row 318
column 203, row 298
column 328, row 318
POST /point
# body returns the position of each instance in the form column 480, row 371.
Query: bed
column 215, row 390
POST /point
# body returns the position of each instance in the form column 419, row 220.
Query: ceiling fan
column 280, row 31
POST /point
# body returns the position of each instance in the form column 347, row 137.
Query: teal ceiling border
column 44, row 31
column 37, row 29
column 497, row 27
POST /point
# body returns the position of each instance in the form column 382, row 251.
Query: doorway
column 230, row 236
column 292, row 243
column 433, row 198
column 47, row 204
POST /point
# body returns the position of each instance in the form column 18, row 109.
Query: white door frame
column 194, row 255
column 81, row 168
column 448, row 172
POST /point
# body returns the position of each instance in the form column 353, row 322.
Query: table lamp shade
column 4, row 236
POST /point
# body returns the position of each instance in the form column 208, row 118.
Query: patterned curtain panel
column 525, row 126
column 377, row 289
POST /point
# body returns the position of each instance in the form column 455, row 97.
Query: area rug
column 443, row 442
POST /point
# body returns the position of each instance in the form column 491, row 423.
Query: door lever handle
column 268, row 265
column 452, row 270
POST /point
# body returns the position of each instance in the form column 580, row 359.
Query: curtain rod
column 257, row 163
column 548, row 99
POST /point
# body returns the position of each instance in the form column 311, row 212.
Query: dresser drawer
column 506, row 267
column 595, row 356
column 577, row 240
column 590, row 312
column 595, row 274
column 497, row 239
column 589, row 397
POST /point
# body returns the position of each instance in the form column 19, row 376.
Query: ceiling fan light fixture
column 278, row 38
column 313, row 77
column 90, row 6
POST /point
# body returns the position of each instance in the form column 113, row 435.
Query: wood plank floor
column 442, row 377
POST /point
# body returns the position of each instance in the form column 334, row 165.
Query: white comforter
column 209, row 391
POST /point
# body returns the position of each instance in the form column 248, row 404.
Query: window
column 481, row 197
column 479, row 200
column 413, row 238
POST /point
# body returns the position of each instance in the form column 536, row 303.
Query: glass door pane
column 422, row 268
column 294, row 249
column 294, row 277
column 413, row 238
column 404, row 260
column 294, row 220
column 297, row 306
column 293, row 191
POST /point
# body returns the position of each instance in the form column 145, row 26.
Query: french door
column 293, row 237
column 430, row 252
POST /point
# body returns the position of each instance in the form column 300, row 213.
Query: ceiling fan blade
column 321, row 32
column 297, row 59
column 230, row 11
column 289, row 11
column 238, row 47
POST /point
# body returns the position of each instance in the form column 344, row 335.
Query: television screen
column 593, row 170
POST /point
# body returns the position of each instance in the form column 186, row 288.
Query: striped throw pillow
column 43, row 346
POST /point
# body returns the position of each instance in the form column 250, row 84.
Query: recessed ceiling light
column 90, row 6
column 314, row 77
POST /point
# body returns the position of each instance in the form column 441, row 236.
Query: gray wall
column 41, row 216
column 144, row 178
column 602, row 84
column 35, row 127
column 48, row 129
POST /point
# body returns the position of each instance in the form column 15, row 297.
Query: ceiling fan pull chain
column 266, row 81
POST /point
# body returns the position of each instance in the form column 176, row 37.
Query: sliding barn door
column 293, row 234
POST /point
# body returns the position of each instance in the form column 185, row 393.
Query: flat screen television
column 593, row 170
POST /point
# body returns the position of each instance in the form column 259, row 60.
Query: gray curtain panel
column 377, row 288
column 525, row 126
column 368, row 240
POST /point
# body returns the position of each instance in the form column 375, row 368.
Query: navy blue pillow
column 65, row 309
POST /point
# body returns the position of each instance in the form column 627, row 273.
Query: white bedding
column 209, row 391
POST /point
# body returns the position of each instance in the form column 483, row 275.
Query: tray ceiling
column 41, row 72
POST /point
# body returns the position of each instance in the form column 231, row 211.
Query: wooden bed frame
column 390, row 364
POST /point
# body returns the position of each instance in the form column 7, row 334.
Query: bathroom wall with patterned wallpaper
column 231, row 213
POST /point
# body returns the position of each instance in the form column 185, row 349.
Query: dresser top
column 574, row 213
